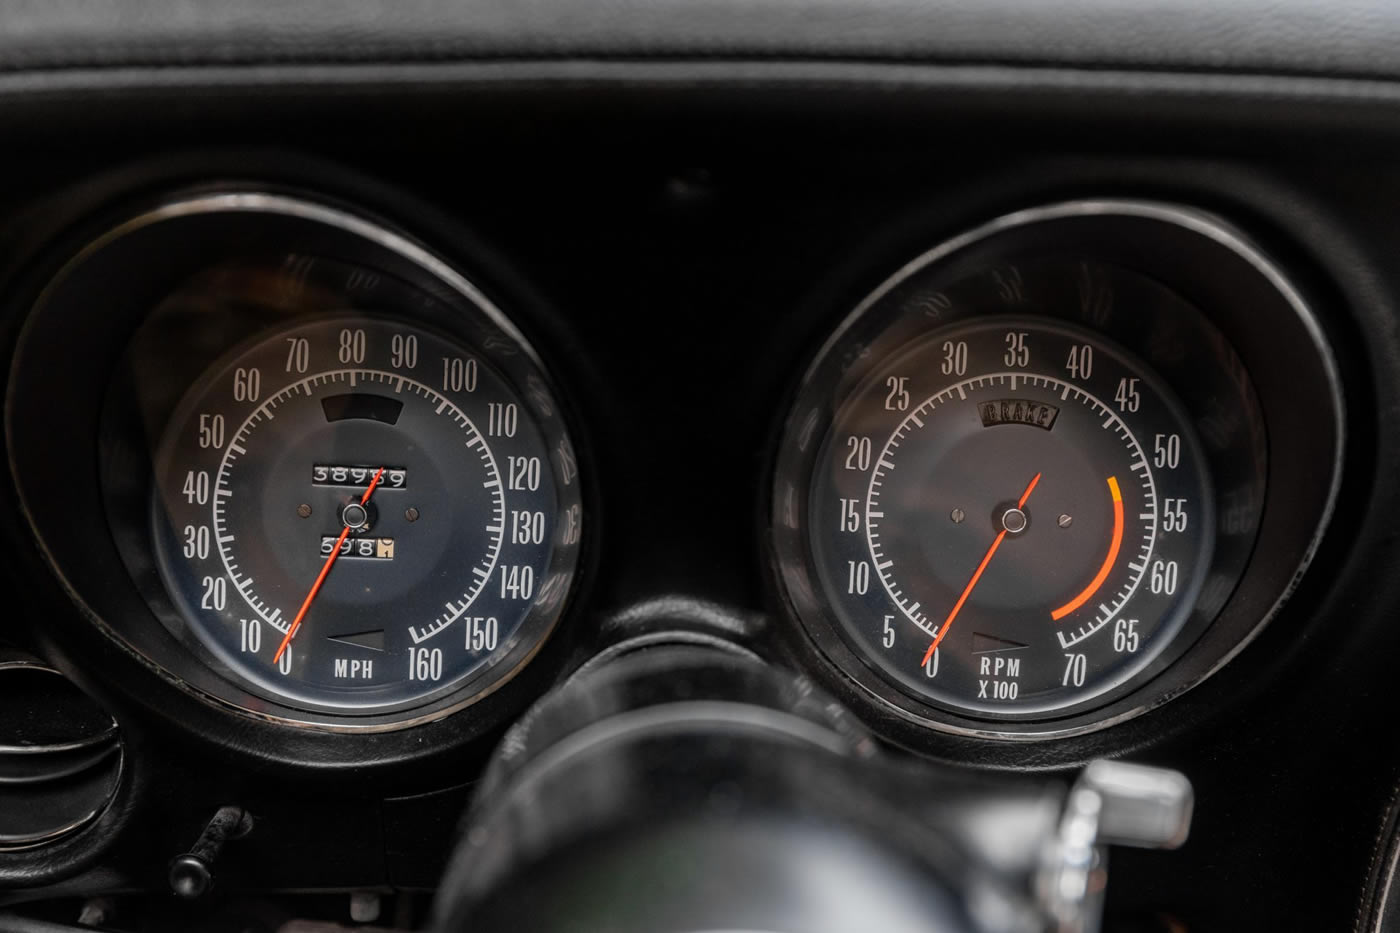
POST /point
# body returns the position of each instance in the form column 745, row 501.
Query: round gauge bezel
column 193, row 233
column 178, row 611
column 1239, row 293
column 1158, row 634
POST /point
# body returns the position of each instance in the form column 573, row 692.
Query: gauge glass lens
column 1022, row 485
column 356, row 514
column 1011, row 515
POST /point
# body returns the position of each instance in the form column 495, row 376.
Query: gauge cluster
column 1044, row 478
column 320, row 484
column 1036, row 477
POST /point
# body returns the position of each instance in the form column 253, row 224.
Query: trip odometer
column 356, row 514
column 1003, row 536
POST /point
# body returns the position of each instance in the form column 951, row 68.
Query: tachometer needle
column 325, row 571
column 976, row 575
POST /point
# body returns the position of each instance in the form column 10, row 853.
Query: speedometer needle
column 325, row 571
column 976, row 575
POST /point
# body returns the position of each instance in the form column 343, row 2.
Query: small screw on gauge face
column 411, row 514
column 304, row 511
column 1065, row 521
column 957, row 515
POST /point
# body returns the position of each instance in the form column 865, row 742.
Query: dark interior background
column 685, row 234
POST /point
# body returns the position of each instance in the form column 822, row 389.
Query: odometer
column 355, row 513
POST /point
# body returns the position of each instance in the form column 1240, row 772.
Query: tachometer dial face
column 1011, row 516
column 1020, row 492
column 357, row 514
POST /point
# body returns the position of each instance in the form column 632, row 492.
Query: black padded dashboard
column 1342, row 40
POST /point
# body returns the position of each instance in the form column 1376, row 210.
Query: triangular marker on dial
column 372, row 640
column 986, row 644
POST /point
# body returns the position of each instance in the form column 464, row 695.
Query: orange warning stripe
column 1113, row 546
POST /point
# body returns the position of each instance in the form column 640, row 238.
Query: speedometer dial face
column 1012, row 516
column 358, row 514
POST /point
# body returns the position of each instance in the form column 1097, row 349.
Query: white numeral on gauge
column 250, row 636
column 482, row 633
column 403, row 351
column 954, row 358
column 1076, row 669
column 857, row 577
column 858, row 453
column 1162, row 579
column 215, row 593
column 458, row 374
column 196, row 488
column 898, row 397
column 850, row 515
column 425, row 664
column 523, row 473
column 247, row 384
column 517, row 581
column 1080, row 364
column 1173, row 514
column 1125, row 636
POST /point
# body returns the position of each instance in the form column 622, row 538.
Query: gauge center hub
column 355, row 516
column 1014, row 520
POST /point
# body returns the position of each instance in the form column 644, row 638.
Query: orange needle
column 325, row 571
column 976, row 575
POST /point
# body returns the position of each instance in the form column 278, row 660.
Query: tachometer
column 1013, row 515
column 1022, row 488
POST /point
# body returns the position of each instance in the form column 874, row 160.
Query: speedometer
column 1021, row 491
column 355, row 513
column 341, row 487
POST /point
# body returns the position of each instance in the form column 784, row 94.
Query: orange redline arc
column 1108, row 561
